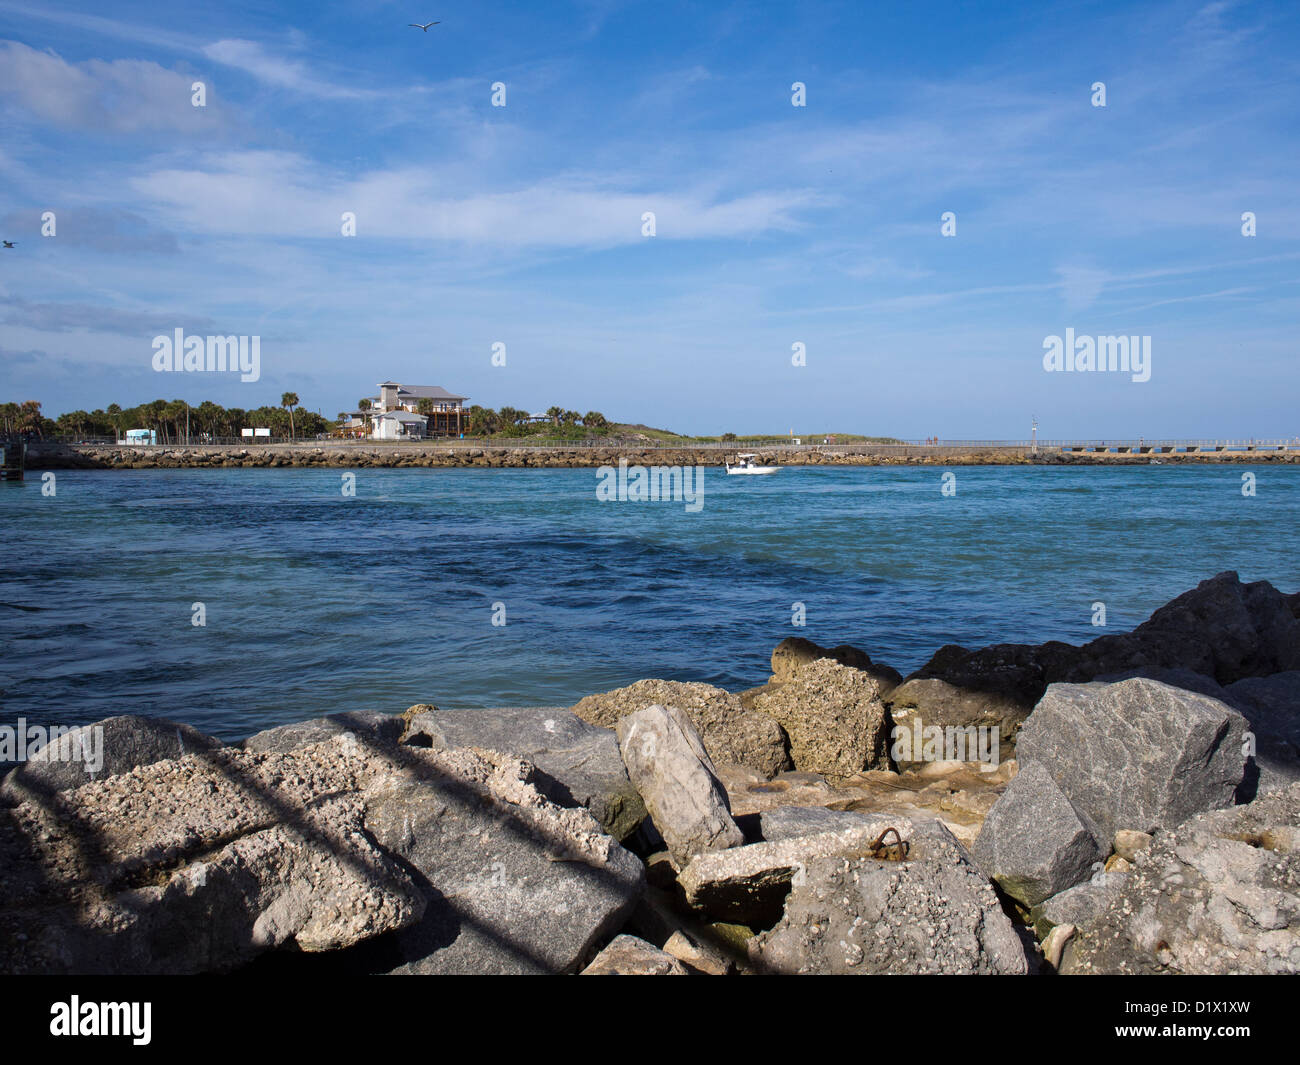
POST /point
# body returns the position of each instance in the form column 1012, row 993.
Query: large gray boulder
column 1220, row 894
column 578, row 764
column 834, row 717
column 120, row 744
column 932, row 913
column 1034, row 844
column 1136, row 754
column 1080, row 905
column 369, row 726
column 1271, row 705
column 198, row 864
column 514, row 883
column 730, row 732
column 678, row 781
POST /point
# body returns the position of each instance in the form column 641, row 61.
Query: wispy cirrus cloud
column 279, row 71
column 59, row 317
column 126, row 96
column 279, row 194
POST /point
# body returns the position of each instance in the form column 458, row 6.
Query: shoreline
column 672, row 827
column 468, row 455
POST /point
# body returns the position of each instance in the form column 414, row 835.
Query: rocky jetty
column 490, row 455
column 1141, row 815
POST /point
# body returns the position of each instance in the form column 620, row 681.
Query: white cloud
column 277, row 71
column 1081, row 285
column 121, row 96
column 278, row 194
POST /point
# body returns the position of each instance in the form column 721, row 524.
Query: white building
column 395, row 413
column 399, row 425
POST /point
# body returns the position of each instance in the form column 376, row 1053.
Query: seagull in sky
column 7, row 243
column 422, row 26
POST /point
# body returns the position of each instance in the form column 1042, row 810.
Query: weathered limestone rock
column 127, row 741
column 578, row 764
column 834, row 717
column 932, row 913
column 629, row 956
column 750, row 884
column 199, row 863
column 369, row 726
column 730, row 732
column 994, row 685
column 680, row 786
column 1135, row 754
column 932, row 701
column 1034, row 843
column 698, row 955
column 514, row 883
column 794, row 652
column 1219, row 894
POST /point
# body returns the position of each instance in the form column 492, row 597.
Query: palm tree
column 115, row 415
column 482, row 421
column 174, row 414
column 209, row 416
column 29, row 417
column 593, row 419
column 555, row 413
column 153, row 413
column 290, row 400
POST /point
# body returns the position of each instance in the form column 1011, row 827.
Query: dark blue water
column 317, row 603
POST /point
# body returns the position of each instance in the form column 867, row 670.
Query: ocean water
column 316, row 602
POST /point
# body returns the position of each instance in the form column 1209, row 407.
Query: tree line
column 167, row 418
column 509, row 421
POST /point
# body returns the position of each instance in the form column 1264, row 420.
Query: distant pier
column 1170, row 447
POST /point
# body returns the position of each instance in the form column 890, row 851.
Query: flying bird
column 7, row 243
column 422, row 26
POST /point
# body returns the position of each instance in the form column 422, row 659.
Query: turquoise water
column 318, row 603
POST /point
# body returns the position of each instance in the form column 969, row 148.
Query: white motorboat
column 745, row 464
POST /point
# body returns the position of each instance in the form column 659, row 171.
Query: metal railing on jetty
column 1140, row 445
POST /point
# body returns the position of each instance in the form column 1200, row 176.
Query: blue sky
column 775, row 224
